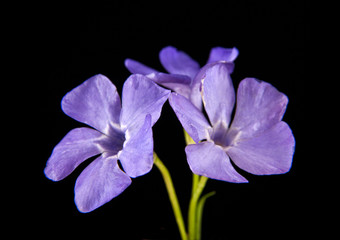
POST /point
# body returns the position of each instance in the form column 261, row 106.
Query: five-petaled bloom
column 121, row 131
column 183, row 78
column 256, row 139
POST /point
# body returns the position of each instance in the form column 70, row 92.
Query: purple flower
column 119, row 132
column 256, row 140
column 183, row 70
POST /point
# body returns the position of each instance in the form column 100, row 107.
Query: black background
column 69, row 43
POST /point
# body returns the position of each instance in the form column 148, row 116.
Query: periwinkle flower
column 256, row 140
column 183, row 77
column 120, row 131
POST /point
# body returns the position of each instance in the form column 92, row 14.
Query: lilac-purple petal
column 196, row 85
column 137, row 154
column 259, row 107
column 218, row 94
column 99, row 183
column 175, row 82
column 178, row 62
column 222, row 54
column 141, row 96
column 210, row 160
column 136, row 67
column 95, row 102
column 268, row 153
column 77, row 146
column 191, row 118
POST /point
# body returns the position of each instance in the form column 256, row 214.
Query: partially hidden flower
column 256, row 139
column 183, row 70
column 120, row 131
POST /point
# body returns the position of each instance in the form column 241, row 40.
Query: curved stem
column 172, row 196
column 192, row 218
column 199, row 213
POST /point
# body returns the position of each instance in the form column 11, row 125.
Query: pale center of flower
column 218, row 134
column 223, row 136
column 113, row 142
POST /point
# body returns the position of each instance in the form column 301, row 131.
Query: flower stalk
column 172, row 196
column 192, row 216
column 199, row 213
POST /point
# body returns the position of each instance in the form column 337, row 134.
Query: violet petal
column 137, row 154
column 77, row 146
column 222, row 54
column 175, row 82
column 196, row 86
column 259, row 107
column 141, row 96
column 95, row 102
column 218, row 94
column 191, row 118
column 195, row 95
column 136, row 67
column 268, row 153
column 100, row 182
column 208, row 159
column 178, row 62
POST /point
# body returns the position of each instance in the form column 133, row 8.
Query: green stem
column 199, row 213
column 188, row 139
column 172, row 195
column 195, row 180
column 192, row 218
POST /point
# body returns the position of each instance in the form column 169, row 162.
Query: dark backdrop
column 70, row 43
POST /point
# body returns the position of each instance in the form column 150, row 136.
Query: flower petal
column 208, row 159
column 259, row 107
column 222, row 54
column 77, row 146
column 95, row 102
column 100, row 182
column 136, row 67
column 141, row 96
column 192, row 119
column 196, row 86
column 137, row 154
column 268, row 153
column 218, row 94
column 175, row 82
column 178, row 62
